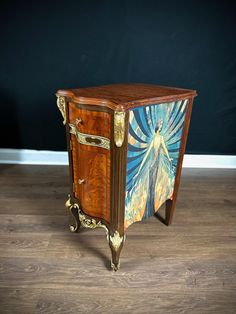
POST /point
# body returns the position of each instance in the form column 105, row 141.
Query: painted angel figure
column 155, row 147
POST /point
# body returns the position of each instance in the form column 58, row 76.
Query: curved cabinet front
column 90, row 149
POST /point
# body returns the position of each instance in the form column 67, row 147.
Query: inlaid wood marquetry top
column 126, row 96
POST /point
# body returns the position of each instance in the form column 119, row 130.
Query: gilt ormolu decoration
column 86, row 222
column 116, row 240
column 119, row 128
column 126, row 144
column 79, row 217
column 61, row 104
column 88, row 139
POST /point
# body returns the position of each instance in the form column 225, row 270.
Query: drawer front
column 90, row 139
column 90, row 122
column 154, row 139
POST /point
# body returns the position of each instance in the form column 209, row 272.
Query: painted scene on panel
column 153, row 148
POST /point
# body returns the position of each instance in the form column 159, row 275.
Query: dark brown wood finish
column 170, row 204
column 119, row 156
column 119, row 180
column 91, row 103
column 69, row 149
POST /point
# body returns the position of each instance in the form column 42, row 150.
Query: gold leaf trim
column 115, row 240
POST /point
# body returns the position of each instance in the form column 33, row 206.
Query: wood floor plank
column 126, row 300
column 166, row 273
column 21, row 245
column 29, row 206
column 19, row 301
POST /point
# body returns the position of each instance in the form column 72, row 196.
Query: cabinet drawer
column 89, row 121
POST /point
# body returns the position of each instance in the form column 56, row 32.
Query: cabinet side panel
column 154, row 138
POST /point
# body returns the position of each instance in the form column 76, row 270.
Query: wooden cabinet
column 126, row 144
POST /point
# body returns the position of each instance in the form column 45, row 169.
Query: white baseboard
column 209, row 161
column 44, row 157
column 32, row 157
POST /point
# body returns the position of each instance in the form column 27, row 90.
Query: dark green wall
column 47, row 45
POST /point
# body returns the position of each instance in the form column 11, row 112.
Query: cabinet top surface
column 126, row 96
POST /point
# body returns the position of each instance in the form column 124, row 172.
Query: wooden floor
column 189, row 267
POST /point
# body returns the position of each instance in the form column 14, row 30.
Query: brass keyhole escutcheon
column 81, row 181
column 94, row 140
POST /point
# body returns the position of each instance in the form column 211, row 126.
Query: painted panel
column 153, row 148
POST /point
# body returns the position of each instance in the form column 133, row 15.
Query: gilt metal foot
column 115, row 267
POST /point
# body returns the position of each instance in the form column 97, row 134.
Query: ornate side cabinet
column 126, row 144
